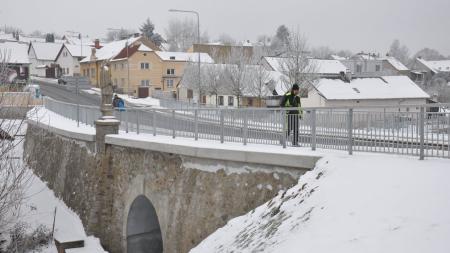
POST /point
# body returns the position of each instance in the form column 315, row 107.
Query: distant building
column 220, row 52
column 372, row 65
column 362, row 92
column 90, row 66
column 69, row 57
column 42, row 57
column 317, row 67
column 423, row 70
column 16, row 59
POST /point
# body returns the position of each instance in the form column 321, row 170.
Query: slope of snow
column 362, row 203
column 46, row 51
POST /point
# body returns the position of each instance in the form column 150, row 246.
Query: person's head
column 295, row 89
column 115, row 96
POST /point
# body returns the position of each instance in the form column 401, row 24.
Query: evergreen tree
column 50, row 37
column 147, row 29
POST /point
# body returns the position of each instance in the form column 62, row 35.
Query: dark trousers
column 293, row 125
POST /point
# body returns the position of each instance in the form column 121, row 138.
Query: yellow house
column 150, row 70
column 91, row 65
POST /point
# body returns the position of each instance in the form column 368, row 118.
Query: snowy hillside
column 362, row 203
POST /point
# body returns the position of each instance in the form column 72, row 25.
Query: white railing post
column 126, row 120
column 196, row 124
column 154, row 121
column 350, row 131
column 222, row 130
column 173, row 125
column 422, row 133
column 137, row 121
column 284, row 128
column 245, row 130
column 313, row 130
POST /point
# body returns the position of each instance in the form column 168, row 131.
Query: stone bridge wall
column 193, row 194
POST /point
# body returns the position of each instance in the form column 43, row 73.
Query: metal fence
column 372, row 129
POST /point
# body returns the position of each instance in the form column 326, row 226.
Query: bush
column 21, row 242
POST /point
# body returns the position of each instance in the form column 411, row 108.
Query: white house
column 361, row 92
column 69, row 57
column 16, row 59
column 42, row 58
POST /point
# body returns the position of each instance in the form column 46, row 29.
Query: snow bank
column 362, row 203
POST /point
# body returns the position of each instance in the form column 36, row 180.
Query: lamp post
column 128, row 59
column 198, row 42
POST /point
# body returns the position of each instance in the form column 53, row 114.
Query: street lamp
column 76, row 77
column 128, row 60
column 198, row 42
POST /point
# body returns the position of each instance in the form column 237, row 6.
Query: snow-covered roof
column 337, row 57
column 182, row 56
column 144, row 48
column 111, row 49
column 75, row 40
column 386, row 87
column 46, row 51
column 396, row 64
column 436, row 66
column 16, row 52
column 78, row 50
column 318, row 65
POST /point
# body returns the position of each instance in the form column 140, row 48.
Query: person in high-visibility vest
column 292, row 99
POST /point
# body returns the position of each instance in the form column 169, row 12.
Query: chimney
column 97, row 43
column 348, row 75
column 93, row 56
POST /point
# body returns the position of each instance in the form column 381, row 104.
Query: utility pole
column 199, row 54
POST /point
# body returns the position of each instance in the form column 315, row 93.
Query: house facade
column 68, row 59
column 42, row 57
column 423, row 71
column 372, row 65
column 90, row 65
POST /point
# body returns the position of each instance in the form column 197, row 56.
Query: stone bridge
column 147, row 194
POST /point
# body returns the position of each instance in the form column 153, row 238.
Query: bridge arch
column 143, row 230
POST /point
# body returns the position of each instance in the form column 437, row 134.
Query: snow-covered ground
column 135, row 102
column 38, row 207
column 361, row 203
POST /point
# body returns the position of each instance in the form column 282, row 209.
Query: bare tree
column 113, row 35
column 13, row 174
column 226, row 39
column 323, row 52
column 400, row 52
column 237, row 73
column 181, row 34
column 297, row 66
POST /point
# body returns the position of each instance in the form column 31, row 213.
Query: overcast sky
column 340, row 24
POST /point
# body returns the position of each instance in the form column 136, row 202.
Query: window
column 220, row 100
column 115, row 66
column 145, row 65
column 122, row 66
column 145, row 83
column 171, row 71
column 230, row 100
column 84, row 72
column 358, row 68
column 92, row 72
column 377, row 68
column 87, row 73
column 169, row 83
column 63, row 71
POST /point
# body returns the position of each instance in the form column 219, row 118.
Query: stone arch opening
column 143, row 230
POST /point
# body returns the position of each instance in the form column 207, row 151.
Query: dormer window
column 172, row 57
column 356, row 90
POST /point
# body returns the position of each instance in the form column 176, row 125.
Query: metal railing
column 82, row 114
column 371, row 129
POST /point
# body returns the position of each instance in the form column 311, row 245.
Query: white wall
column 67, row 61
column 34, row 71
